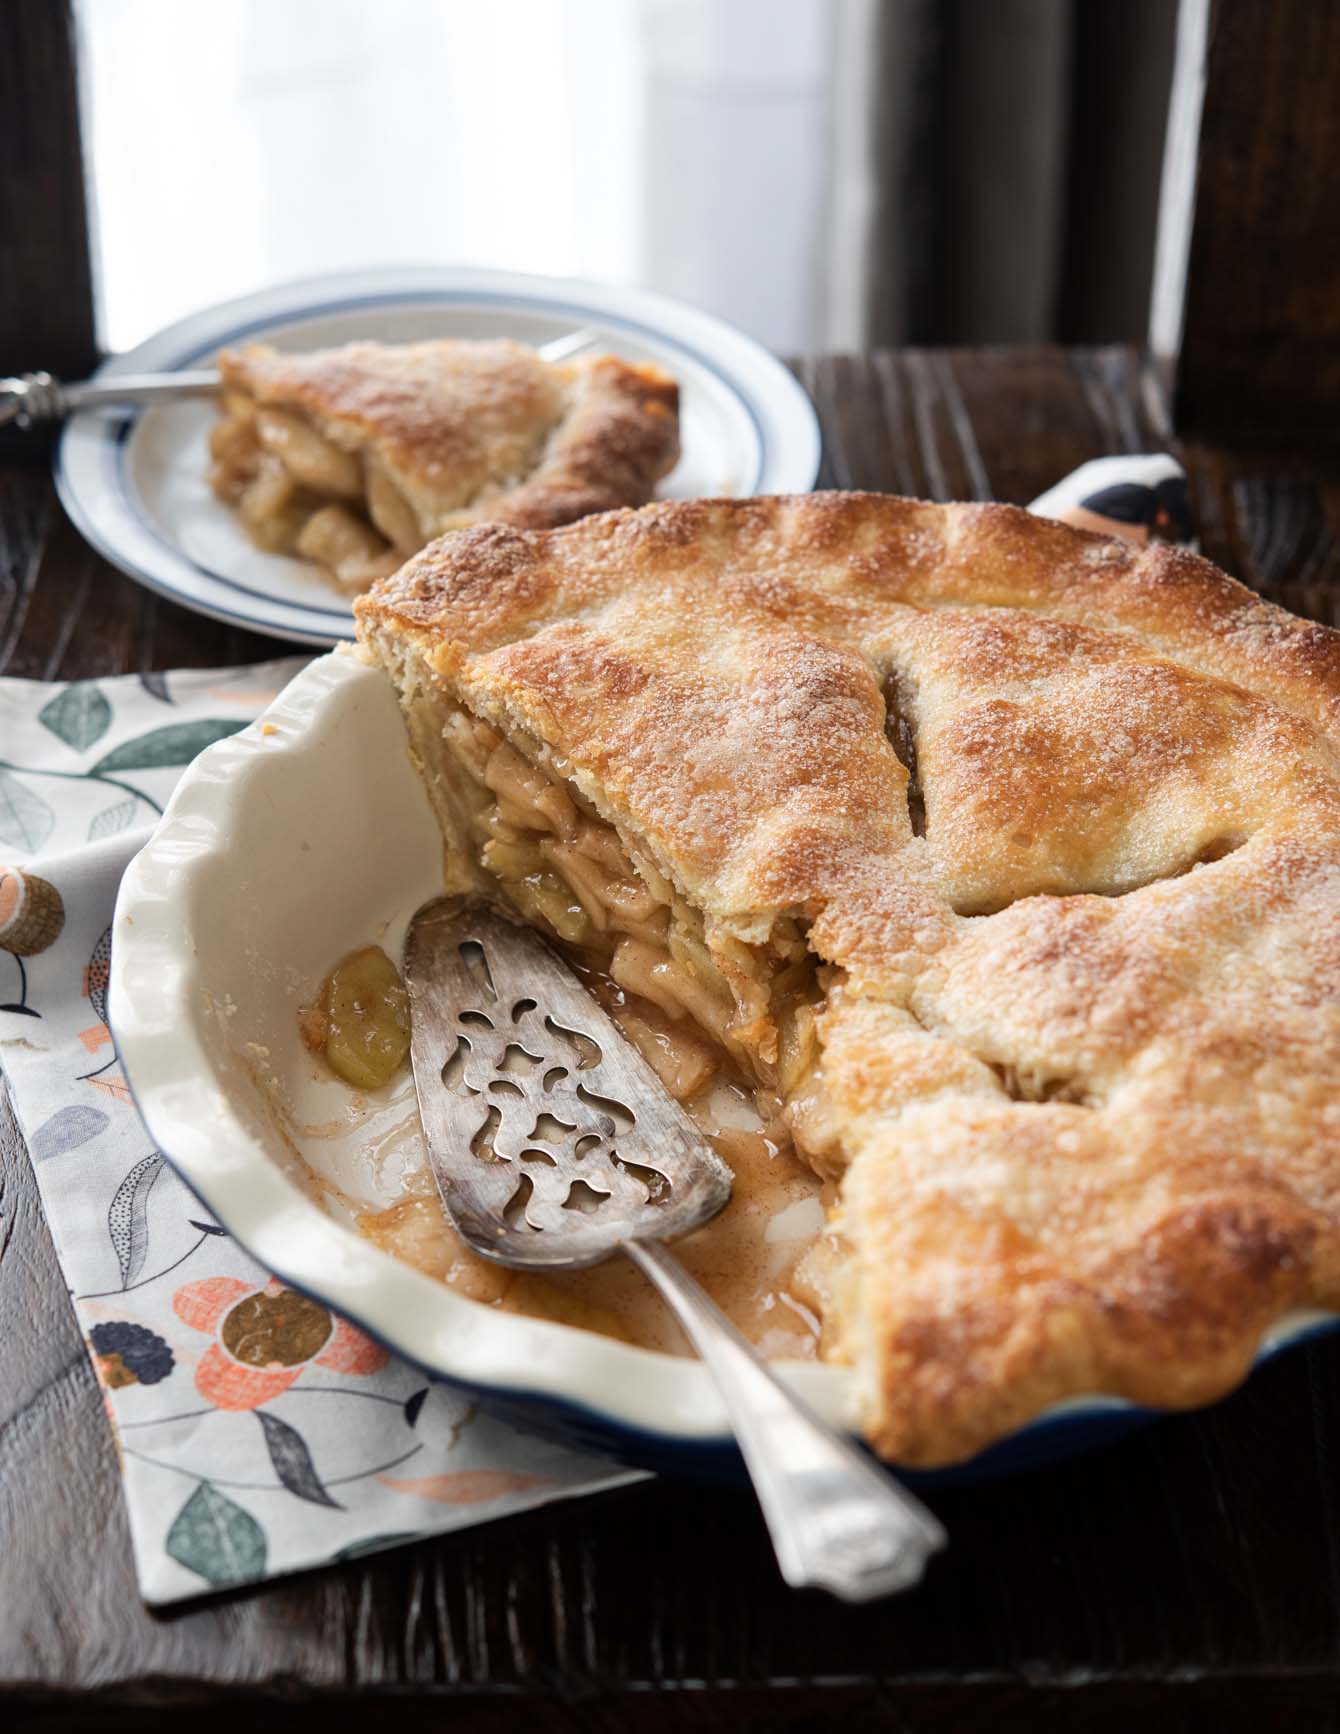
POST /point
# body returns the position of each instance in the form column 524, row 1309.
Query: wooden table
column 1189, row 1577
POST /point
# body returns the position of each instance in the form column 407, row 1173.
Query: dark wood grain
column 46, row 287
column 1258, row 184
column 1189, row 1577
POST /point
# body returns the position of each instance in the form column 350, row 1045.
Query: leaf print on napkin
column 116, row 1087
column 466, row 1486
column 177, row 744
column 128, row 1217
column 96, row 973
column 293, row 1461
column 25, row 818
column 79, row 715
column 216, row 1539
column 112, row 819
column 155, row 684
column 67, row 1129
column 376, row 1544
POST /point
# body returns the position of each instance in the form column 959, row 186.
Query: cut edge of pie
column 355, row 457
column 711, row 747
column 520, row 820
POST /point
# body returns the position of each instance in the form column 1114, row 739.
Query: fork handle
column 33, row 398
column 29, row 399
column 836, row 1520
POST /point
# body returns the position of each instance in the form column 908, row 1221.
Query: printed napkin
column 259, row 1433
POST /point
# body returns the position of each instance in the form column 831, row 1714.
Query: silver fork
column 555, row 1146
column 31, row 399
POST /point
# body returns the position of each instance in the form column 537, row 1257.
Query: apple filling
column 298, row 493
column 687, row 995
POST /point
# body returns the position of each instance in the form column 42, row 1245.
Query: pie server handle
column 837, row 1521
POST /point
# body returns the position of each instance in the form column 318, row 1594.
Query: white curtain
column 712, row 149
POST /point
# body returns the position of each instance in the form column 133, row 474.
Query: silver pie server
column 32, row 399
column 555, row 1146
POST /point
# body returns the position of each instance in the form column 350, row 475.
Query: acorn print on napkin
column 31, row 913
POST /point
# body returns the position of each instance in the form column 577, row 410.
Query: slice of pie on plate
column 1006, row 859
column 355, row 457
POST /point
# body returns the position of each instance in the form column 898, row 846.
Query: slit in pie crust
column 355, row 457
column 1004, row 857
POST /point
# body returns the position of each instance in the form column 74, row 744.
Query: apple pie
column 355, row 457
column 1003, row 857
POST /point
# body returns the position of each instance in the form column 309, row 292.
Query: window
column 680, row 144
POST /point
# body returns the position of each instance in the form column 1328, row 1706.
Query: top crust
column 1081, row 1054
column 721, row 669
column 480, row 430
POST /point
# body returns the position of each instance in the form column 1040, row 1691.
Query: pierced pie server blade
column 551, row 1138
column 555, row 1145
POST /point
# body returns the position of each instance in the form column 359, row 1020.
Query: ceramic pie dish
column 307, row 833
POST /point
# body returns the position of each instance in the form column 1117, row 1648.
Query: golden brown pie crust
column 467, row 432
column 1080, row 1066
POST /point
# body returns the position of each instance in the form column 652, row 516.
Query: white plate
column 135, row 483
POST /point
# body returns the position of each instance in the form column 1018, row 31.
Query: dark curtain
column 1019, row 145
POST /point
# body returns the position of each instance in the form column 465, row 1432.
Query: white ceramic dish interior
column 136, row 486
column 283, row 847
